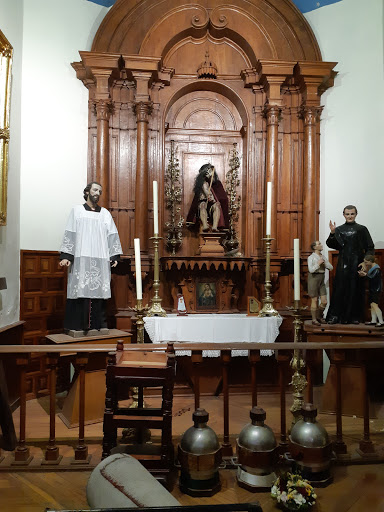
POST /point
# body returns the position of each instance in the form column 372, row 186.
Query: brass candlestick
column 141, row 311
column 268, row 309
column 156, row 309
column 297, row 363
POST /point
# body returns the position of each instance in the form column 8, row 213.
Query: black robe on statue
column 353, row 242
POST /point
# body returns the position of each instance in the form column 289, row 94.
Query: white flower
column 299, row 498
column 283, row 497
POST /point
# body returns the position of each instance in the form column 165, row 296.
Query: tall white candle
column 296, row 268
column 155, row 209
column 269, row 209
column 139, row 290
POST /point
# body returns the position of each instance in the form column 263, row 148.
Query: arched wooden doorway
column 144, row 90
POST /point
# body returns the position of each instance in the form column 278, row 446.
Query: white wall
column 352, row 144
column 54, row 116
column 11, row 22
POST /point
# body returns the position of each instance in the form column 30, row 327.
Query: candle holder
column 156, row 309
column 268, row 309
column 141, row 311
column 297, row 363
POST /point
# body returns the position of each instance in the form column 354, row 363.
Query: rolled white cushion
column 120, row 481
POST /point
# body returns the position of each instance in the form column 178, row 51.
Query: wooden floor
column 356, row 488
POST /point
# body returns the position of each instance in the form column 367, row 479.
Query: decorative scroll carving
column 173, row 193
column 201, row 18
column 218, row 19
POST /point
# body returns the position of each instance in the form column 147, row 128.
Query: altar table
column 213, row 328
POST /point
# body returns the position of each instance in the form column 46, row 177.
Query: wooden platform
column 100, row 339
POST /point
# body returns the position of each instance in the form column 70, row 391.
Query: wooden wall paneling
column 285, row 178
column 114, row 163
column 42, row 303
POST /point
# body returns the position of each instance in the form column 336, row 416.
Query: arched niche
column 205, row 118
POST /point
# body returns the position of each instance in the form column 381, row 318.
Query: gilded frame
column 6, row 53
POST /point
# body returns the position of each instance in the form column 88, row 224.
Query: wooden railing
column 283, row 353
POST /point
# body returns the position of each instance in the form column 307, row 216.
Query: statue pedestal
column 210, row 244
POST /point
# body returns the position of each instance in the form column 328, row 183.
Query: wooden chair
column 141, row 369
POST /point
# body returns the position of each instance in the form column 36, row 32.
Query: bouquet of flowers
column 292, row 492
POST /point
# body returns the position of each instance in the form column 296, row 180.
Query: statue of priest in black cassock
column 353, row 242
column 90, row 246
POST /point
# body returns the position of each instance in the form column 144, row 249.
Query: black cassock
column 353, row 242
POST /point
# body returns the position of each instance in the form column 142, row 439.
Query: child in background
column 317, row 263
column 371, row 269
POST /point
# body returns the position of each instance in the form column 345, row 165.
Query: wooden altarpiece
column 264, row 94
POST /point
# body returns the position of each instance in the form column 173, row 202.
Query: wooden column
column 52, row 455
column 309, row 359
column 272, row 114
column 197, row 359
column 254, row 357
column 272, row 75
column 81, row 450
column 103, row 105
column 142, row 110
column 283, row 359
column 309, row 231
column 366, row 447
column 225, row 360
column 338, row 358
column 313, row 78
column 103, row 108
column 22, row 455
column 109, row 430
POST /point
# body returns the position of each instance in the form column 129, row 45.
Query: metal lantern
column 310, row 447
column 199, row 454
column 257, row 453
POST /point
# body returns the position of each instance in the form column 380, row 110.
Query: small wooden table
column 94, row 377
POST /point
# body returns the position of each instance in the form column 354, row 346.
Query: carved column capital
column 143, row 110
column 272, row 114
column 103, row 109
column 310, row 114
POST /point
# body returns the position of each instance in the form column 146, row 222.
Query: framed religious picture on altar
column 206, row 295
column 254, row 306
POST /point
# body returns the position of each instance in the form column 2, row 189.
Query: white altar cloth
column 213, row 328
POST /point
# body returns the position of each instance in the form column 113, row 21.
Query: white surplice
column 92, row 238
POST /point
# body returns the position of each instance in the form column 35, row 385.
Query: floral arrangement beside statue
column 292, row 492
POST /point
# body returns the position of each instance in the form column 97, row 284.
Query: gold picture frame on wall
column 6, row 52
